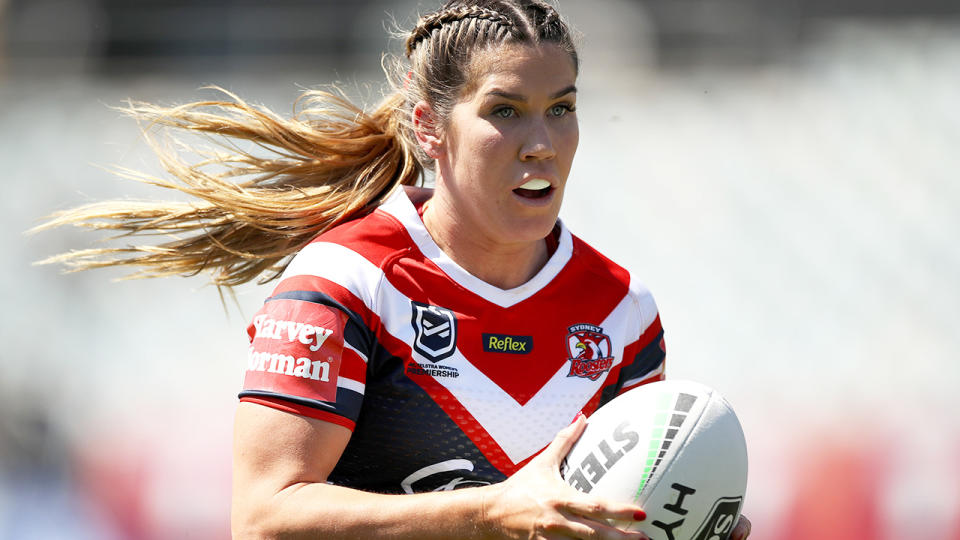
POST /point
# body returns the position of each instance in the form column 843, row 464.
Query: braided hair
column 461, row 16
column 442, row 44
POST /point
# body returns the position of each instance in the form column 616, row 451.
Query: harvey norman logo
column 290, row 331
column 501, row 343
column 268, row 331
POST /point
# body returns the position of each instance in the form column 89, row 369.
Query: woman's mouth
column 535, row 188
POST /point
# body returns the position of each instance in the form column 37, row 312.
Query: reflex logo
column 501, row 343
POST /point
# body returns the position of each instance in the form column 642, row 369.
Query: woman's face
column 507, row 146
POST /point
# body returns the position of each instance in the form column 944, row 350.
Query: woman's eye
column 505, row 112
column 561, row 109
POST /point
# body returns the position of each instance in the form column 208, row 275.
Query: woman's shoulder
column 375, row 236
column 355, row 253
column 603, row 269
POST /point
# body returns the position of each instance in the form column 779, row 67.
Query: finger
column 598, row 508
column 563, row 442
column 581, row 527
column 742, row 530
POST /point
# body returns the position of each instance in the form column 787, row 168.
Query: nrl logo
column 589, row 350
column 436, row 331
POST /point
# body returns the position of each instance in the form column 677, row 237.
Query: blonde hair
column 330, row 162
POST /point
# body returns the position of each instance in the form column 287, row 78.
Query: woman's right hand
column 535, row 503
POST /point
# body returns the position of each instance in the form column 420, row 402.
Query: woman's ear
column 425, row 128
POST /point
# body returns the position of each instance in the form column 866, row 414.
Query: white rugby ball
column 676, row 449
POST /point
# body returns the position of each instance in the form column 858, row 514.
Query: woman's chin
column 530, row 230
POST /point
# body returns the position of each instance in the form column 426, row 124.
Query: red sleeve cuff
column 302, row 410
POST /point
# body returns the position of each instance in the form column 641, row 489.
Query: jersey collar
column 400, row 207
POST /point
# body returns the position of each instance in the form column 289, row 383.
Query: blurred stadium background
column 783, row 174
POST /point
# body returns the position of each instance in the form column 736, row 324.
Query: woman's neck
column 503, row 265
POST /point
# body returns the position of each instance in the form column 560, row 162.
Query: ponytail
column 251, row 213
column 330, row 162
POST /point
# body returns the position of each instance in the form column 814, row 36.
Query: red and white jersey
column 445, row 380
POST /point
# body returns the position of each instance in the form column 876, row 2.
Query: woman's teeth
column 536, row 184
column 535, row 188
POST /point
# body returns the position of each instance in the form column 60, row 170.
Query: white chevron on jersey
column 519, row 430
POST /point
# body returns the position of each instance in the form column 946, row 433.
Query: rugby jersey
column 444, row 380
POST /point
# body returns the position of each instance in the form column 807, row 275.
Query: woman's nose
column 538, row 144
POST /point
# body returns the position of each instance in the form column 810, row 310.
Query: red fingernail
column 639, row 515
column 577, row 417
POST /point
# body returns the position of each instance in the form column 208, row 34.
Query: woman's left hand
column 742, row 530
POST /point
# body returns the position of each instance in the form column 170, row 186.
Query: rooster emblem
column 589, row 350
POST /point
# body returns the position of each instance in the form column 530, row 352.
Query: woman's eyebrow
column 521, row 97
column 568, row 90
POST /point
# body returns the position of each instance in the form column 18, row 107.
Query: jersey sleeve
column 644, row 358
column 304, row 357
column 645, row 352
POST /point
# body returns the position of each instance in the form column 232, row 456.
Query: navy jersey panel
column 405, row 443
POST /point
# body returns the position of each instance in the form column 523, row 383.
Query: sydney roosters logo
column 589, row 350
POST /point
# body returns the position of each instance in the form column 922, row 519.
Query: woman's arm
column 281, row 463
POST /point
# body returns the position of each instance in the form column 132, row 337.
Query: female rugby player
column 423, row 347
